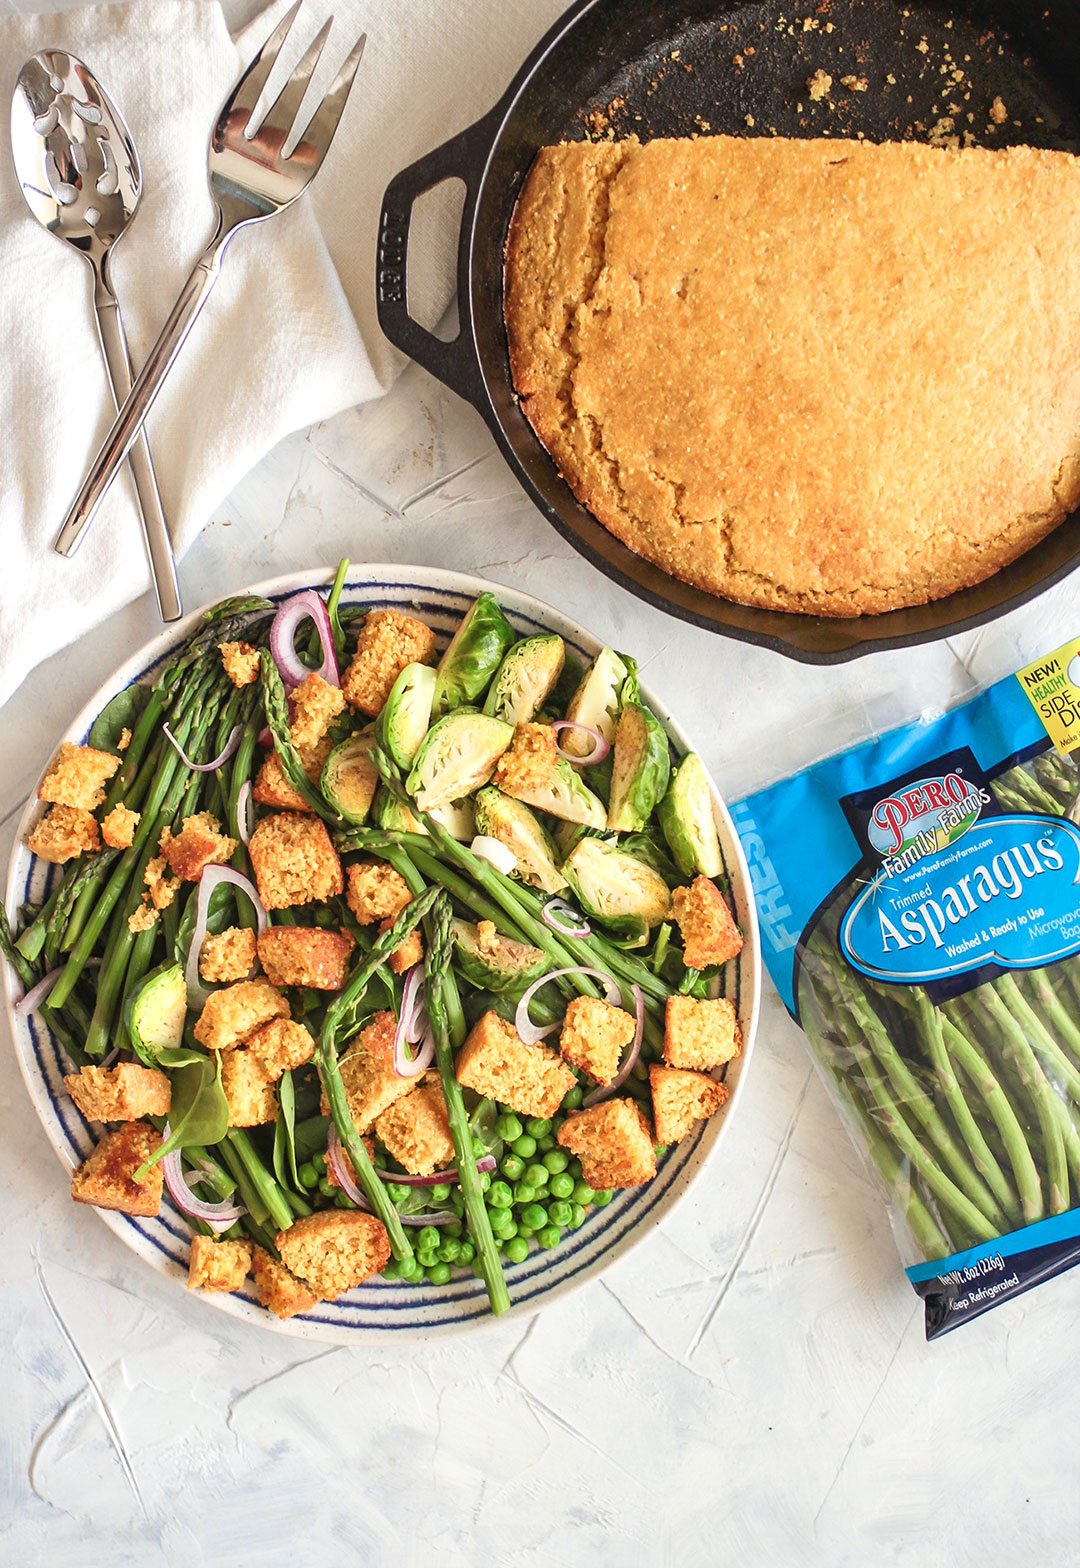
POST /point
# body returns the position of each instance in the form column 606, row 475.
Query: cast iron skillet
column 675, row 67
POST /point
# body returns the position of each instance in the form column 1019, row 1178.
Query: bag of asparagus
column 919, row 898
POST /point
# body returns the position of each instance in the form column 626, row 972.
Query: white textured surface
column 750, row 1387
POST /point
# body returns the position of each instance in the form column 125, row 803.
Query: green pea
column 577, row 1217
column 409, row 1269
column 560, row 1214
column 327, row 1188
column 525, row 1146
column 557, row 1161
column 449, row 1251
column 583, row 1193
column 319, row 1163
column 499, row 1218
column 428, row 1238
column 485, row 1180
column 575, row 1169
column 524, row 1193
column 439, row 1193
column 526, row 1232
column 562, row 1185
column 534, row 1216
column 549, row 1237
column 439, row 1273
column 517, row 1249
column 602, row 1199
column 396, row 1192
column 536, row 1176
column 309, row 1176
column 467, row 1252
column 427, row 1257
column 479, row 1148
column 343, row 1201
column 453, row 1230
column 499, row 1196
column 508, row 1127
column 539, row 1126
column 508, row 1231
column 390, row 1271
column 573, row 1098
column 457, row 1202
column 544, row 1144
column 512, row 1167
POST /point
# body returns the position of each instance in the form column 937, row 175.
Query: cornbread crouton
column 367, row 1073
column 105, row 1177
column 272, row 788
column 280, row 1292
column 161, row 889
column 230, row 1016
column 416, row 1131
column 118, row 827
column 594, row 1036
column 497, row 1063
column 376, row 892
column 680, row 1099
column 241, row 662
column 248, row 1088
column 409, row 953
column 218, row 1265
column 120, row 1094
column 305, row 955
column 294, row 861
column 369, row 1145
column 77, row 775
column 227, row 955
column 142, row 918
column 315, row 706
column 613, row 1142
column 281, row 1045
column 63, row 833
column 530, row 763
column 125, row 740
column 335, row 1249
column 200, row 842
column 388, row 642
column 701, row 1035
column 710, row 935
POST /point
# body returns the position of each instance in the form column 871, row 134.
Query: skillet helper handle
column 453, row 363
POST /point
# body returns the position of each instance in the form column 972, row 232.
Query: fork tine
column 278, row 119
column 245, row 95
column 324, row 122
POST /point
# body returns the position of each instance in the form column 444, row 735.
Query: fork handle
column 155, row 530
column 139, row 401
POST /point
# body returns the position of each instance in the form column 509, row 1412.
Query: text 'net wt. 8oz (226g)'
column 919, row 898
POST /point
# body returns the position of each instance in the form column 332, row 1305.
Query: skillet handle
column 463, row 157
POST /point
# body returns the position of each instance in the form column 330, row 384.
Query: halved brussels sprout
column 406, row 714
column 475, row 653
column 686, row 817
column 596, row 702
column 494, row 962
column 566, row 796
column 457, row 755
column 458, row 818
column 513, row 824
column 621, row 892
column 396, row 815
column 525, row 679
column 156, row 1012
column 641, row 770
column 350, row 778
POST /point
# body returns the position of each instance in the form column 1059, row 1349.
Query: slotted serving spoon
column 79, row 172
column 251, row 178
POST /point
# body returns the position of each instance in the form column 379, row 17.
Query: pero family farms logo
column 925, row 816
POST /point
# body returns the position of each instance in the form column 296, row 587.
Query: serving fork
column 251, row 178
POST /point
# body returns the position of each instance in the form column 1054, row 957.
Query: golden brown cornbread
column 816, row 375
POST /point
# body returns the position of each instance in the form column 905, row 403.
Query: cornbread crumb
column 105, row 1177
column 218, row 1265
column 854, row 84
column 281, row 1045
column 594, row 1036
column 497, row 1063
column 410, row 952
column 701, row 1034
column 998, row 112
column 416, row 1132
column 376, row 892
column 64, row 833
column 709, row 933
column 315, row 706
column 229, row 955
column 249, row 1089
column 160, row 889
column 76, row 776
column 280, row 1292
column 680, row 1099
column 200, row 842
column 119, row 1094
column 241, row 662
column 142, row 919
column 531, row 762
column 818, row 85
column 230, row 1016
column 294, row 861
column 335, row 1250
column 613, row 1142
column 118, row 827
column 367, row 1073
column 388, row 642
column 125, row 740
column 305, row 955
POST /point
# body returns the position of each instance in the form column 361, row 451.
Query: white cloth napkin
column 290, row 334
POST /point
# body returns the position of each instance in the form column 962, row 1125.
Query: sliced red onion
column 601, row 747
column 413, row 1028
column 266, row 739
column 212, row 877
column 302, row 607
column 486, row 1162
column 218, row 762
column 219, row 1216
column 339, row 1162
column 564, row 918
column 32, row 999
column 484, row 847
column 628, row 1060
column 412, row 1066
column 245, row 813
column 532, row 1033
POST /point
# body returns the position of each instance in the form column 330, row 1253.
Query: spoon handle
column 155, row 530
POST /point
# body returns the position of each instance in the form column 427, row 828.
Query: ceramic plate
column 385, row 1310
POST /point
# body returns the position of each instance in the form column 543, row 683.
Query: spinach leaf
column 310, row 1137
column 120, row 714
column 199, row 1112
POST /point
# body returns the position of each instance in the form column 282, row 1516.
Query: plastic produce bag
column 919, row 898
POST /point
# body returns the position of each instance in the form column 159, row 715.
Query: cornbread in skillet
column 823, row 376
